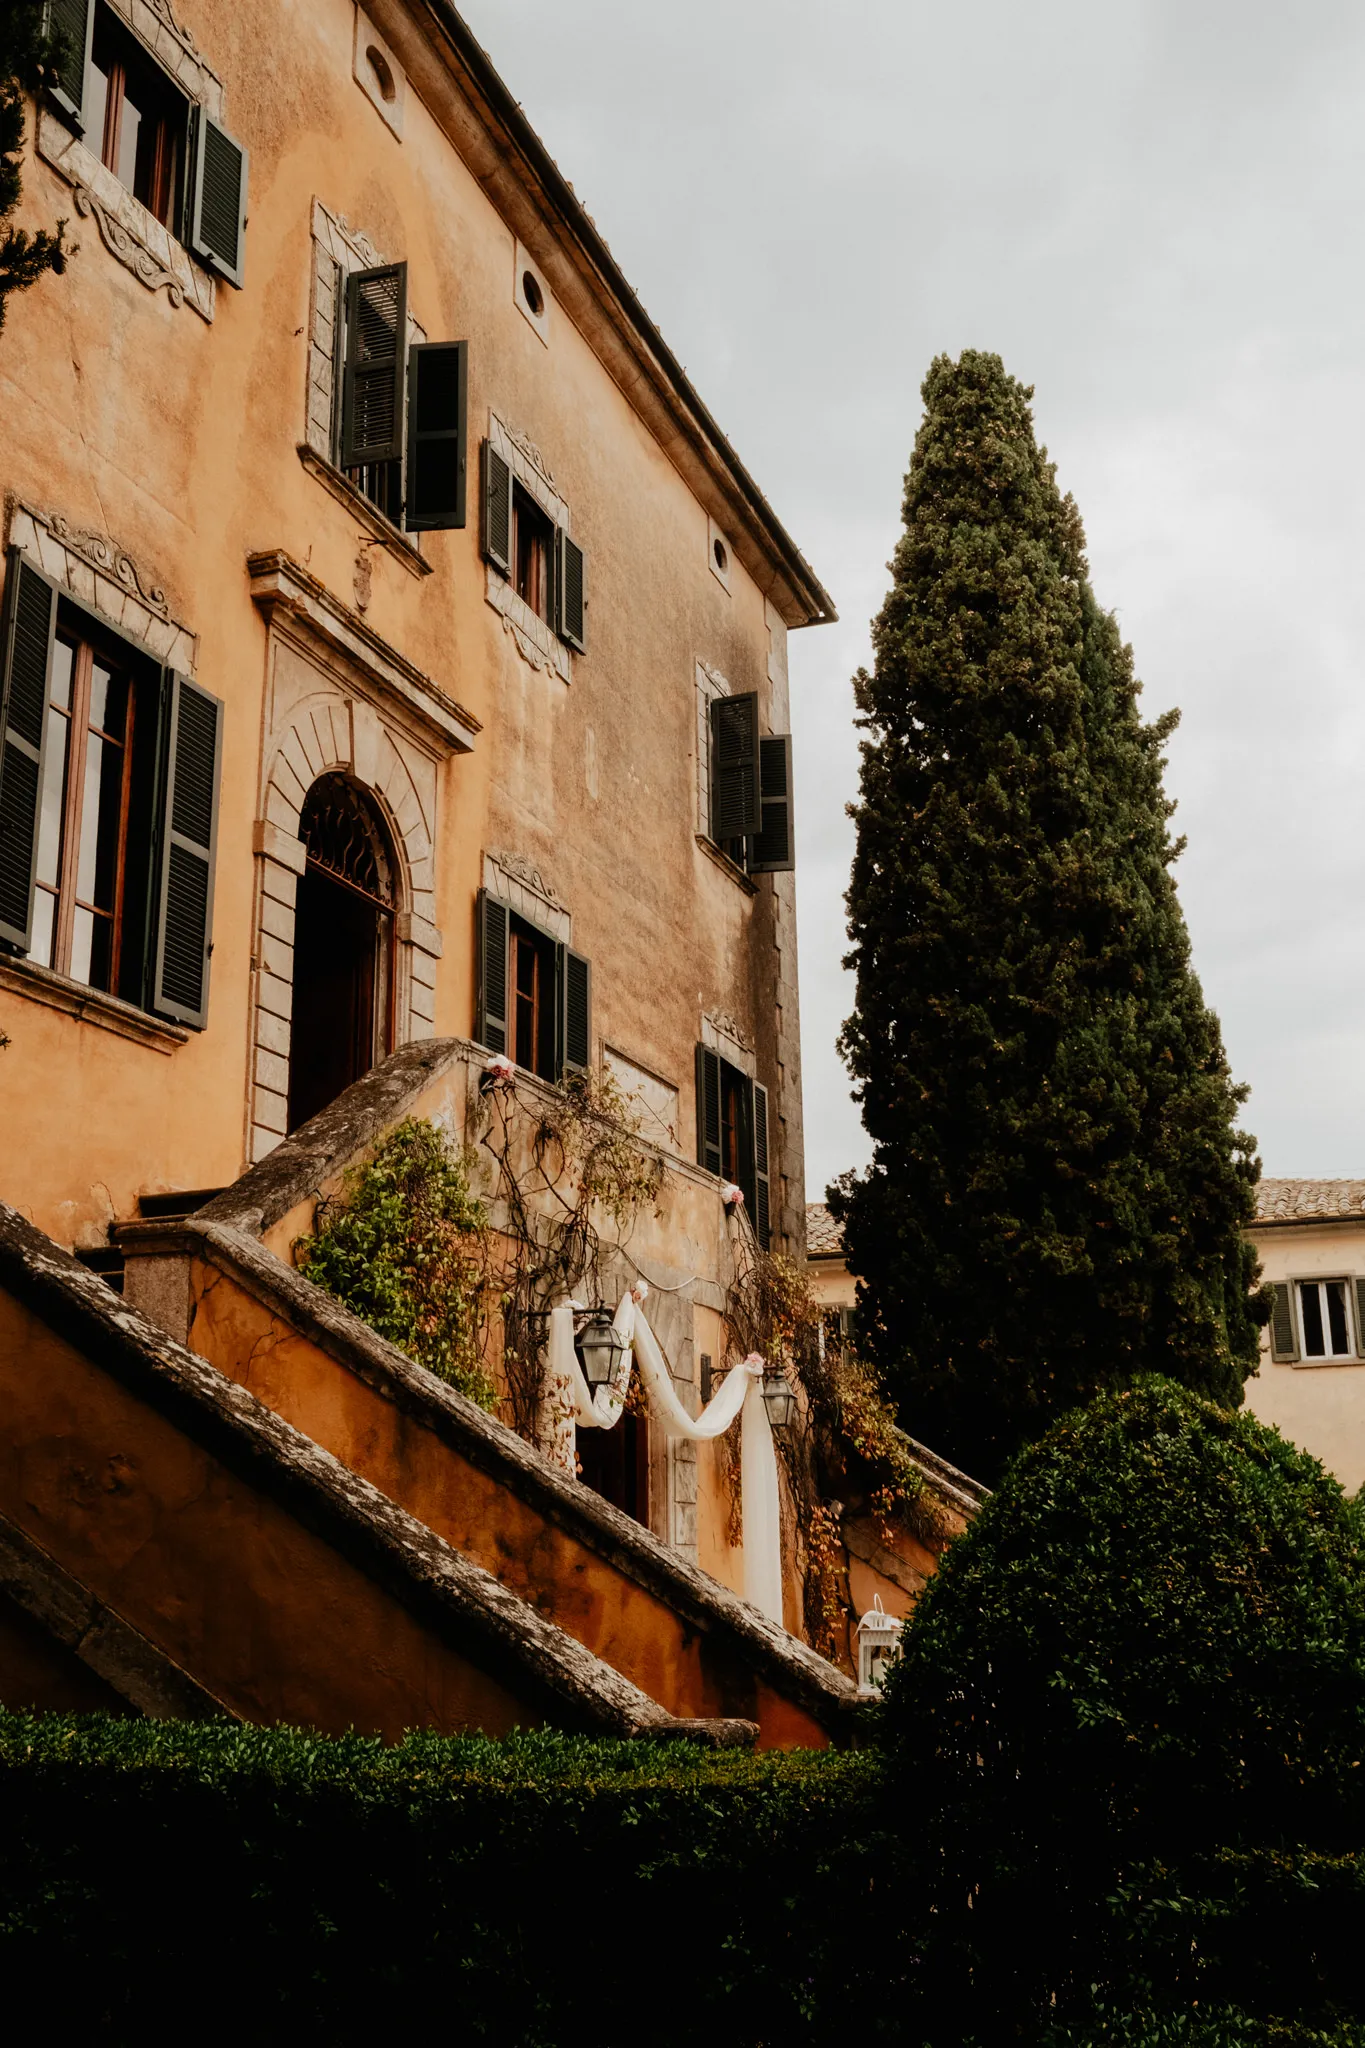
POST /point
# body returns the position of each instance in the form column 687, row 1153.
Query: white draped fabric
column 569, row 1402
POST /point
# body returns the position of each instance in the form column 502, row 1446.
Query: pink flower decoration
column 732, row 1196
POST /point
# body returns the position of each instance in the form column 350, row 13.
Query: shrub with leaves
column 404, row 1246
column 28, row 53
column 1128, row 1727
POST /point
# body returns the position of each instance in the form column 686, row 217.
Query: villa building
column 394, row 680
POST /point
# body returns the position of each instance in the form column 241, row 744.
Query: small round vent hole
column 383, row 76
column 531, row 292
column 722, row 559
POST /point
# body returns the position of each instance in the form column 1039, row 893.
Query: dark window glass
column 531, row 985
column 1313, row 1335
column 532, row 539
column 85, row 807
column 137, row 119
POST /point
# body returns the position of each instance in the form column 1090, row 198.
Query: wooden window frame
column 540, row 532
column 524, row 937
column 164, row 187
column 78, row 726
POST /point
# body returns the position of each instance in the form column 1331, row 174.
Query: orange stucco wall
column 208, row 1567
column 129, row 415
column 586, row 1594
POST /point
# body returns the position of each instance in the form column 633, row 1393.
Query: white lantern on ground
column 878, row 1635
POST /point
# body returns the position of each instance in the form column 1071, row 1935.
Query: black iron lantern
column 599, row 1345
column 779, row 1397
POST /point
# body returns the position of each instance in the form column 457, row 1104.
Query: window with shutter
column 73, row 21
column 29, row 630
column 575, row 1011
column 708, row 1109
column 186, row 851
column 773, row 850
column 218, row 204
column 437, row 435
column 1283, row 1342
column 762, row 1209
column 736, row 796
column 373, row 382
column 497, row 509
column 490, row 1022
column 570, row 593
column 1360, row 1318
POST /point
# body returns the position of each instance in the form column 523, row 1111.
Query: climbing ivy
column 404, row 1245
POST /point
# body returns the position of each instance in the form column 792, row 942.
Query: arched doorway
column 343, row 946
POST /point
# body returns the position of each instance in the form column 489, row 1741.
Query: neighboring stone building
column 1311, row 1385
column 394, row 654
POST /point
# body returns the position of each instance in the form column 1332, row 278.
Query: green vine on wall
column 405, row 1247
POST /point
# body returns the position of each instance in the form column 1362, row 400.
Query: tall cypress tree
column 1058, row 1187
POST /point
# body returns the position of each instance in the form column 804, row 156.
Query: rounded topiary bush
column 1128, row 1724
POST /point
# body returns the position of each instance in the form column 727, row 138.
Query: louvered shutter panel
column 218, row 200
column 573, row 976
column 708, row 1109
column 29, row 627
column 774, row 849
column 571, row 597
column 736, row 801
column 1360, row 1318
column 762, row 1211
column 187, row 846
column 1283, row 1341
column 73, row 21
column 490, row 1022
column 438, row 407
column 497, row 509
column 376, row 365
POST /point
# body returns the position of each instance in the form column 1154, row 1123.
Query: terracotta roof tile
column 824, row 1237
column 1308, row 1201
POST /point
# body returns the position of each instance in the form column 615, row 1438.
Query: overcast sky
column 1153, row 212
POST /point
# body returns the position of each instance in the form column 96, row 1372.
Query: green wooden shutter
column 571, row 597
column 438, row 412
column 186, row 851
column 73, row 21
column 497, row 509
column 376, row 366
column 218, row 199
column 774, row 848
column 736, row 799
column 1284, row 1346
column 762, row 1210
column 573, row 1012
column 708, row 1109
column 490, row 1019
column 26, row 634
column 1360, row 1318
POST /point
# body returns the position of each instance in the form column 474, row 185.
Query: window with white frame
column 1324, row 1318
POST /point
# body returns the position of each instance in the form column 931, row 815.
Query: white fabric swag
column 740, row 1394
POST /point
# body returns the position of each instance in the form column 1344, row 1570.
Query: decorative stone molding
column 525, row 446
column 100, row 572
column 339, row 700
column 519, row 884
column 280, row 584
column 729, row 1038
column 529, row 467
column 132, row 235
column 535, row 640
column 155, row 23
column 338, row 249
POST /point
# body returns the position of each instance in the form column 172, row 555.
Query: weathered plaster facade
column 184, row 430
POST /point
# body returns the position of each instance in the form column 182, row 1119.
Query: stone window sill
column 88, row 1005
column 358, row 505
column 726, row 865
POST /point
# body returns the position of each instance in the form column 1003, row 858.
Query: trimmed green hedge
column 543, row 1889
column 1128, row 1733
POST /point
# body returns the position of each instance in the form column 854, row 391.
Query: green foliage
column 1128, row 1732
column 1057, row 1190
column 26, row 54
column 540, row 1890
column 404, row 1248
